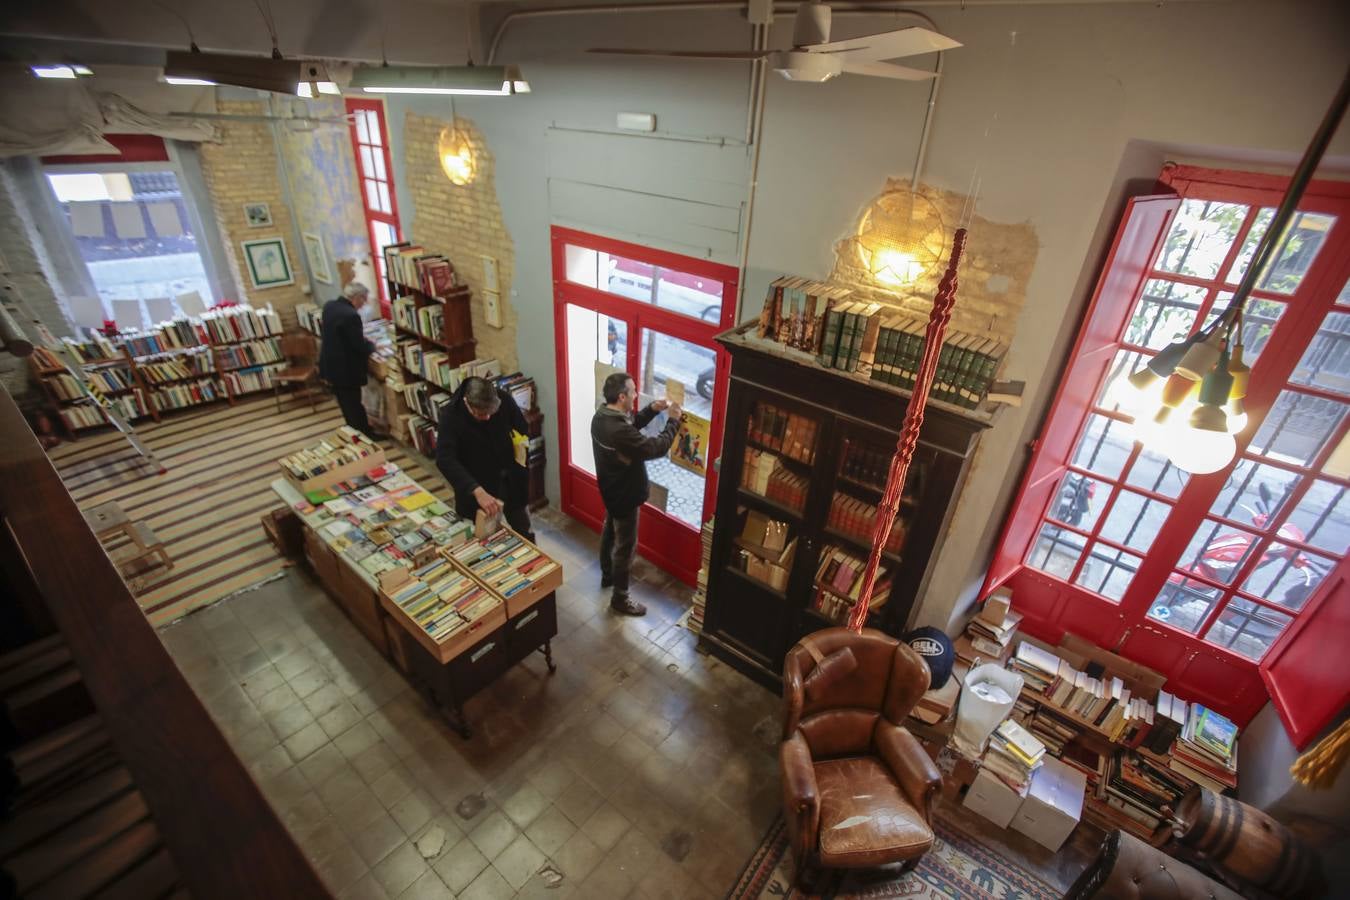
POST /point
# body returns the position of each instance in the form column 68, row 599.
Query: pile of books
column 442, row 600
column 988, row 637
column 505, row 562
column 701, row 588
column 763, row 473
column 838, row 582
column 1014, row 755
column 344, row 447
column 1136, row 789
column 310, row 317
column 185, row 394
column 1206, row 749
column 854, row 518
column 794, row 311
column 230, row 324
column 412, row 266
column 790, row 434
column 253, row 353
column 160, row 369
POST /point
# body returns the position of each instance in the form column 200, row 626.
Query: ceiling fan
column 814, row 57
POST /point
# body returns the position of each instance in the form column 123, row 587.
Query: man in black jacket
column 621, row 454
column 342, row 357
column 476, row 454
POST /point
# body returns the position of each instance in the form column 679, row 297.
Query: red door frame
column 1198, row 670
column 666, row 541
column 375, row 215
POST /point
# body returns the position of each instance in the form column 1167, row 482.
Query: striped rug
column 207, row 506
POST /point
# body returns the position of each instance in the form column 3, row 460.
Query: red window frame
column 357, row 106
column 663, row 539
column 1196, row 669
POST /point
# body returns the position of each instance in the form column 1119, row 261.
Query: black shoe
column 606, row 581
column 627, row 607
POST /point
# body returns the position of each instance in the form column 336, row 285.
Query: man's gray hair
column 481, row 394
column 354, row 289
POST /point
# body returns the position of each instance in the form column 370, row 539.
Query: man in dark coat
column 342, row 357
column 621, row 454
column 476, row 453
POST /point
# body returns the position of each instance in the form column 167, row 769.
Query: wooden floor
column 207, row 506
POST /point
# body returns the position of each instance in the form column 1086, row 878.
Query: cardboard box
column 1053, row 805
column 993, row 799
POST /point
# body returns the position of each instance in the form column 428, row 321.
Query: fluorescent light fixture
column 306, row 88
column 83, row 70
column 259, row 73
column 54, row 72
column 169, row 79
column 329, row 87
column 483, row 81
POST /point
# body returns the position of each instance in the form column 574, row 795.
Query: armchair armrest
column 919, row 778
column 801, row 802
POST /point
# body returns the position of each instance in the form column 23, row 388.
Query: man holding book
column 621, row 454
column 480, row 450
column 342, row 358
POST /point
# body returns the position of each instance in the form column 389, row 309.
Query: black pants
column 353, row 411
column 618, row 542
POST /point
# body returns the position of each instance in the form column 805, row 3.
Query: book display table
column 451, row 612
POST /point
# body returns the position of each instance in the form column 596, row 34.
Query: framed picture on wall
column 268, row 265
column 318, row 258
column 257, row 215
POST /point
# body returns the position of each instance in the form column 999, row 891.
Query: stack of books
column 424, row 400
column 988, row 637
column 47, row 359
column 1014, row 755
column 345, row 446
column 1206, row 750
column 231, row 324
column 1136, row 789
column 790, row 434
column 66, row 386
column 701, row 588
column 855, row 518
column 838, row 583
column 431, row 322
column 1169, row 719
column 505, row 562
column 130, row 405
column 794, row 312
column 410, row 265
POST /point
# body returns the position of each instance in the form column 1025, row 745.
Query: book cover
column 689, row 450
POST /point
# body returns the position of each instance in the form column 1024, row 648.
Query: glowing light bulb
column 1135, row 392
column 1237, row 416
column 896, row 267
column 1200, row 451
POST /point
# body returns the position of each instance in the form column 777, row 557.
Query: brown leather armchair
column 858, row 789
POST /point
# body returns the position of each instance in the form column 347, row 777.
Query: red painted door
column 625, row 307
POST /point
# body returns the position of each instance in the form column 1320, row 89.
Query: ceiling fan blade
column 887, row 44
column 686, row 54
column 887, row 70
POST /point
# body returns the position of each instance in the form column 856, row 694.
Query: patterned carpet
column 957, row 868
column 208, row 504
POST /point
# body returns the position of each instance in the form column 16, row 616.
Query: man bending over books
column 342, row 357
column 480, row 449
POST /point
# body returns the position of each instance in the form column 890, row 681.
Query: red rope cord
column 909, row 433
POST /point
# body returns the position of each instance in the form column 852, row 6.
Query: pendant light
column 1188, row 402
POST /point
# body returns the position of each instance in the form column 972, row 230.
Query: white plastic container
column 988, row 695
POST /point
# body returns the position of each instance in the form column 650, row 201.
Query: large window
column 370, row 144
column 1198, row 576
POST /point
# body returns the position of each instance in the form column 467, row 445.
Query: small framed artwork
column 318, row 258
column 268, row 265
column 257, row 215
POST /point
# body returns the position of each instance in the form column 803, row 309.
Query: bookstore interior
column 676, row 450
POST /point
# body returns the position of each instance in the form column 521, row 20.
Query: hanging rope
column 909, row 433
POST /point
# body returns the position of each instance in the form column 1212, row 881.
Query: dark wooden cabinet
column 824, row 439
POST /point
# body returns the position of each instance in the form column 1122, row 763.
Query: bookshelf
column 810, row 448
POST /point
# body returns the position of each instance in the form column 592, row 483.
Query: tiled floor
column 642, row 768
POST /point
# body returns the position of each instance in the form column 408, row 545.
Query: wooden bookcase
column 456, row 337
column 749, row 623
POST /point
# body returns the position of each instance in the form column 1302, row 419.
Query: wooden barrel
column 1247, row 844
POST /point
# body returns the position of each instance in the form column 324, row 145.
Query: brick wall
column 240, row 169
column 993, row 274
column 465, row 223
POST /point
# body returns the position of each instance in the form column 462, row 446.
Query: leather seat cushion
column 865, row 819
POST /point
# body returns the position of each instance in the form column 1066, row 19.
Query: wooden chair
column 301, row 351
column 145, row 544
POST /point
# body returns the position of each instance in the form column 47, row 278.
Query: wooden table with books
column 451, row 610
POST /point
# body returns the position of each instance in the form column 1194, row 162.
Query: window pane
column 1323, row 517
column 1165, row 313
column 667, row 360
column 1293, row 257
column 1247, row 628
column 1155, row 472
column 591, row 338
column 1254, row 492
column 1217, row 551
column 385, row 205
column 1183, row 603
column 1258, row 322
column 1326, row 362
column 1135, row 520
column 1104, row 446
column 1297, row 427
column 385, row 234
column 372, row 195
column 1079, row 500
column 1200, row 237
column 373, row 128
column 1056, row 551
column 367, row 162
column 362, row 133
column 378, row 170
column 1286, row 576
column 581, row 265
column 1107, row 571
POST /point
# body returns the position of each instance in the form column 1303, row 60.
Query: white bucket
column 987, row 696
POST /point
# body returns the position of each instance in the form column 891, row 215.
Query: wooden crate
column 527, row 597
column 442, row 651
column 333, row 476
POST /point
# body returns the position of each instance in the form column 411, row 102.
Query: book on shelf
column 174, row 367
column 410, row 265
column 791, row 434
column 94, row 349
column 794, row 311
column 505, row 562
column 185, row 394
column 310, row 317
column 251, row 353
column 256, row 378
column 230, row 324
column 86, row 415
column 855, row 518
column 763, row 474
column 838, row 583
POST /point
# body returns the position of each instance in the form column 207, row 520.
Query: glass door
column 624, row 307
